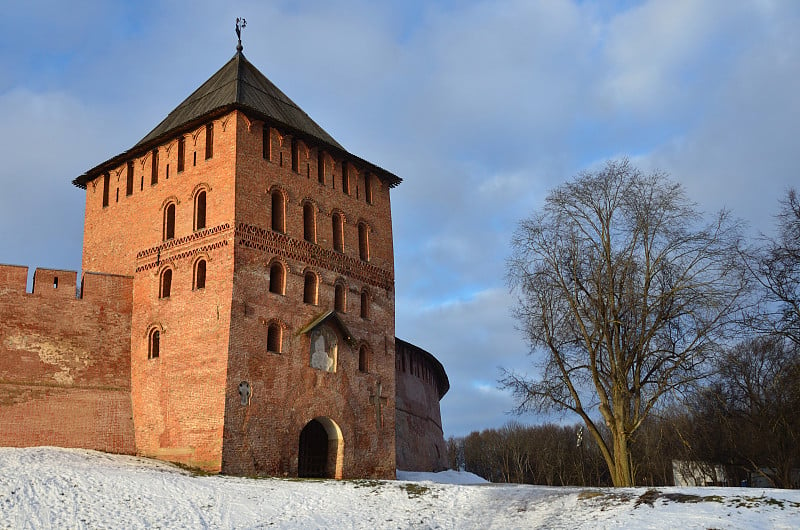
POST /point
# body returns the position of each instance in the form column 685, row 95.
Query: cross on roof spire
column 239, row 29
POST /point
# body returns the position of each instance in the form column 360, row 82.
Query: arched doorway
column 321, row 449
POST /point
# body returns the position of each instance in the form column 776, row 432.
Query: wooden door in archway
column 313, row 456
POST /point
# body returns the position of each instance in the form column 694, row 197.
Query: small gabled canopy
column 238, row 85
column 329, row 316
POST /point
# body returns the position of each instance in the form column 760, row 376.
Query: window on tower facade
column 278, row 211
column 338, row 232
column 295, row 156
column 129, row 179
column 106, row 184
column 274, row 338
column 310, row 288
column 181, row 153
column 153, row 344
column 165, row 288
column 200, row 210
column 277, row 278
column 169, row 222
column 200, row 274
column 266, row 144
column 309, row 222
column 209, row 140
column 363, row 359
column 363, row 241
column 154, row 168
column 345, row 179
column 340, row 298
column 321, row 166
column 368, row 187
column 365, row 304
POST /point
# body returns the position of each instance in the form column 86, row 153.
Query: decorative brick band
column 298, row 249
column 169, row 251
column 200, row 234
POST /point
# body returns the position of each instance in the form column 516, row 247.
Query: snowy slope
column 67, row 488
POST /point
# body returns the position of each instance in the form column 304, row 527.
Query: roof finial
column 239, row 32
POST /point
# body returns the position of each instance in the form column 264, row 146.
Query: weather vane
column 239, row 29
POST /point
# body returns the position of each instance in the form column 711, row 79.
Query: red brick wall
column 113, row 235
column 178, row 398
column 64, row 362
column 13, row 279
column 420, row 440
column 262, row 437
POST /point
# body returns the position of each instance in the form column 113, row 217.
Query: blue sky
column 481, row 107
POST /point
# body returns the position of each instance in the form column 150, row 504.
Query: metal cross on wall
column 379, row 401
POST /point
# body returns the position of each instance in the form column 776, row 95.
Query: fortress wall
column 65, row 362
column 420, row 439
column 55, row 283
column 13, row 278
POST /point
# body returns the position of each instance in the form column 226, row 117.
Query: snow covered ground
column 68, row 488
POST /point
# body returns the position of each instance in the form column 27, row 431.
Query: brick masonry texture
column 83, row 372
column 420, row 440
column 65, row 362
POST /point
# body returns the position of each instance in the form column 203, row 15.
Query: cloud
column 481, row 106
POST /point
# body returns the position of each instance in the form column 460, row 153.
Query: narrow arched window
column 340, row 298
column 321, row 166
column 209, row 140
column 363, row 359
column 181, row 153
column 266, row 144
column 165, row 287
column 153, row 344
column 368, row 187
column 169, row 221
column 274, row 338
column 364, row 304
column 129, row 179
column 363, row 241
column 200, row 274
column 276, row 278
column 154, row 168
column 338, row 232
column 295, row 156
column 309, row 223
column 200, row 211
column 310, row 288
column 106, row 184
column 278, row 212
column 345, row 179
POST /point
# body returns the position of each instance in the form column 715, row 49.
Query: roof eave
column 81, row 181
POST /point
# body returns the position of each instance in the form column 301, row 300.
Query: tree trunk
column 621, row 474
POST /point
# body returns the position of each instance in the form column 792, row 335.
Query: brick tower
column 262, row 329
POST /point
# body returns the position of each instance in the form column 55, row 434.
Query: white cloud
column 481, row 106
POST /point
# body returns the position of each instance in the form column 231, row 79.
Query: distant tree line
column 746, row 419
column 669, row 337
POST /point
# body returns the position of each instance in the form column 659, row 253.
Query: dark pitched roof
column 240, row 84
column 237, row 85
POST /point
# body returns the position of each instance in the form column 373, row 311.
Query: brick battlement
column 62, row 284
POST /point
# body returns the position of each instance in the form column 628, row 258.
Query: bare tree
column 623, row 294
column 778, row 271
column 748, row 416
